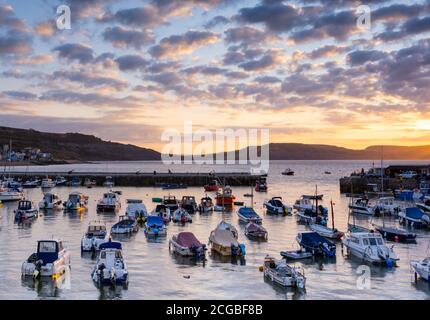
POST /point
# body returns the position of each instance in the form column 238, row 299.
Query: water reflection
column 46, row 287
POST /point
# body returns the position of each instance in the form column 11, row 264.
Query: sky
column 128, row 70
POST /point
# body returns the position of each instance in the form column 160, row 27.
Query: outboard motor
column 242, row 249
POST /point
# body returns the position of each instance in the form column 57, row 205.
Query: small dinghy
column 26, row 210
column 206, row 205
column 154, row 227
column 247, row 214
column 182, row 215
column 276, row 206
column 50, row 260
column 422, row 268
column 162, row 211
column 261, row 185
column 316, row 244
column 281, row 273
column 396, row 234
column 76, row 202
column 223, row 242
column 136, row 209
column 189, row 203
column 95, row 236
column 187, row 245
column 109, row 203
column 296, row 254
column 110, row 268
column 50, row 202
column 413, row 217
column 256, row 231
column 288, row 172
column 125, row 225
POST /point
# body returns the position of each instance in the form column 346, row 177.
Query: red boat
column 212, row 186
column 225, row 198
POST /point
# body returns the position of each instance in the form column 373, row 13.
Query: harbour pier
column 362, row 184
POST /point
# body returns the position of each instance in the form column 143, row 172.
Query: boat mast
column 332, row 214
column 316, row 198
column 382, row 171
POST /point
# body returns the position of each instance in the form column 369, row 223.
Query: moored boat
column 76, row 202
column 181, row 215
column 288, row 172
column 110, row 268
column 256, row 231
column 225, row 198
column 422, row 268
column 206, row 205
column 154, row 227
column 247, row 214
column 47, row 183
column 386, row 205
column 50, row 201
column 283, row 274
column 162, row 211
column 261, row 185
column 171, row 202
column 413, row 217
column 223, row 242
column 109, row 203
column 316, row 244
column 26, row 210
column 136, row 209
column 396, row 234
column 212, row 186
column 299, row 254
column 189, row 203
column 186, row 244
column 95, row 235
column 276, row 206
column 125, row 225
column 10, row 194
column 109, row 183
column 223, row 225
column 361, row 206
column 326, row 232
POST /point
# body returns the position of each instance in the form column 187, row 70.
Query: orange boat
column 225, row 198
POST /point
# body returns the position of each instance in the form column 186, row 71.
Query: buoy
column 261, row 268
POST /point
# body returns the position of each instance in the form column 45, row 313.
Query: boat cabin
column 25, row 205
column 96, row 229
column 47, row 250
column 367, row 239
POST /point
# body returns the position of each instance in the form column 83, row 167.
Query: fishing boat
column 125, row 225
column 95, row 235
column 386, row 205
column 76, row 202
column 162, row 211
column 47, row 183
column 361, row 206
column 370, row 247
column 422, row 268
column 110, row 268
column 109, row 203
column 316, row 244
column 223, row 242
column 223, row 225
column 50, row 201
column 331, row 233
column 212, row 186
column 154, row 226
column 136, row 209
column 171, row 202
column 189, row 203
column 225, row 198
column 50, row 260
column 413, row 217
column 283, row 274
column 26, row 210
column 299, row 254
column 109, row 183
column 60, row 181
column 248, row 214
column 261, row 185
column 256, row 231
column 181, row 215
column 187, row 245
column 276, row 206
column 206, row 205
column 288, row 172
column 396, row 234
column 9, row 194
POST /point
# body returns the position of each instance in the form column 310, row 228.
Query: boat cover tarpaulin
column 248, row 212
column 110, row 245
column 313, row 239
column 154, row 221
column 223, row 237
column 253, row 227
column 187, row 239
column 414, row 213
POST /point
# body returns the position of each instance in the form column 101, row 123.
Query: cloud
column 216, row 21
column 89, row 79
column 360, row 57
column 20, row 95
column 35, row 60
column 140, row 17
column 14, row 44
column 45, row 29
column 8, row 19
column 165, row 78
column 121, row 37
column 272, row 58
column 182, row 44
column 74, row 51
column 131, row 62
column 248, row 35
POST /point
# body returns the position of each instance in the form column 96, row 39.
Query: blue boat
column 154, row 226
column 413, row 217
column 408, row 195
column 316, row 244
column 247, row 215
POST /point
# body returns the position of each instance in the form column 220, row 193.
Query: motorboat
column 181, row 215
column 313, row 196
column 136, row 209
column 50, row 201
column 109, row 203
column 256, row 231
column 413, row 217
column 189, row 203
column 31, row 184
column 299, row 254
column 95, row 236
column 288, row 172
column 162, row 211
column 223, row 242
column 386, row 205
column 425, row 206
column 370, row 247
column 170, row 186
column 248, row 214
column 90, row 183
column 276, row 206
column 186, row 244
column 154, row 226
column 311, row 217
column 125, row 225
column 422, row 268
column 47, row 183
column 109, row 182
column 283, row 274
column 75, row 182
column 50, row 260
column 261, row 185
column 60, row 181
column 326, row 232
column 212, row 186
column 206, row 205
column 10, row 183
column 26, row 210
column 77, row 202
column 408, row 195
column 171, row 202
column 225, row 198
column 361, row 206
column 223, row 225
column 306, row 204
column 9, row 194
column 110, row 268
column 316, row 244
column 396, row 234
column 408, row 174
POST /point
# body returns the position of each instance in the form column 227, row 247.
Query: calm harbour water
column 157, row 274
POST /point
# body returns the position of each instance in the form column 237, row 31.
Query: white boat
column 326, row 232
column 47, row 184
column 154, row 227
column 110, row 268
column 181, row 215
column 422, row 268
column 386, row 205
column 31, row 184
column 60, row 181
column 206, row 205
column 109, row 203
column 186, row 244
column 276, row 206
column 109, row 182
column 281, row 273
column 303, row 204
column 361, row 206
column 95, row 236
column 50, row 201
column 26, row 210
column 425, row 206
column 8, row 194
column 76, row 202
column 136, row 209
column 50, row 260
column 408, row 174
column 370, row 247
column 162, row 211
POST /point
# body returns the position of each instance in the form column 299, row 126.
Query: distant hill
column 75, row 146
